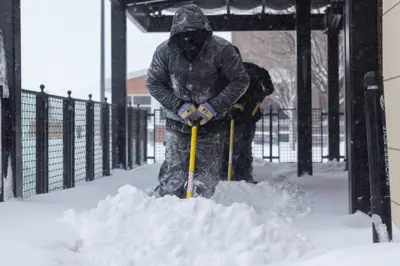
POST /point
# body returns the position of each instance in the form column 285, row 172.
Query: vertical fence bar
column 114, row 132
column 42, row 138
column 145, row 129
column 270, row 134
column 105, row 114
column 90, row 139
column 154, row 135
column 130, row 136
column 69, row 142
column 322, row 135
column 66, row 143
column 279, row 135
column 263, row 132
column 138, row 161
column 378, row 161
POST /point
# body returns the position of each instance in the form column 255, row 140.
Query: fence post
column 105, row 114
column 154, row 136
column 262, row 133
column 90, row 139
column 130, row 136
column 270, row 134
column 279, row 134
column 69, row 142
column 145, row 130
column 322, row 135
column 378, row 157
column 42, row 142
column 138, row 153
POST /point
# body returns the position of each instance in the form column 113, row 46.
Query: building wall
column 391, row 72
column 137, row 86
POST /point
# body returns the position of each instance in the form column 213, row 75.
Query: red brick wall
column 137, row 85
column 160, row 133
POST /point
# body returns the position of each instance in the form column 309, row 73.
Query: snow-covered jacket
column 216, row 76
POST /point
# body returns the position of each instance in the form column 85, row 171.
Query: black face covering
column 191, row 42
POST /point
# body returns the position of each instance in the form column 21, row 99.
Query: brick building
column 138, row 94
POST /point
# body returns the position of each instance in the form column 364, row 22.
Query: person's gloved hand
column 205, row 112
column 188, row 112
column 236, row 110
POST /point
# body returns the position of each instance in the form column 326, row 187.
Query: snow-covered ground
column 282, row 221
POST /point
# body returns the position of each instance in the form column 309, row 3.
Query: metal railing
column 275, row 139
column 66, row 141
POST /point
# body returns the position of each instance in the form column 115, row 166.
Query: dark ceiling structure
column 229, row 15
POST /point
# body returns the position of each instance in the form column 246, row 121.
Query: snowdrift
column 369, row 255
column 132, row 228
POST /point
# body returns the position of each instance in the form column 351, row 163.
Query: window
column 141, row 100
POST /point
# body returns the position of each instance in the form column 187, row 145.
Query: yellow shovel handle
column 255, row 109
column 192, row 160
column 231, row 140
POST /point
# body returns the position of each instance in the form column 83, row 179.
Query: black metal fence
column 275, row 139
column 67, row 140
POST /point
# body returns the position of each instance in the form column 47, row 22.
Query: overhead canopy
column 216, row 4
column 226, row 15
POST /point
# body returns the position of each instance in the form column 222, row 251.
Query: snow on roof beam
column 260, row 22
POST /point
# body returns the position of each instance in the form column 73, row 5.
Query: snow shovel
column 231, row 140
column 192, row 160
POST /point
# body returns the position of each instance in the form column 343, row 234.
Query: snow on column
column 3, row 68
column 6, row 183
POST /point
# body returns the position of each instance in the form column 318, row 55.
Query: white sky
column 61, row 46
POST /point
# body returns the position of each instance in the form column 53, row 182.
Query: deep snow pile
column 132, row 228
column 367, row 255
column 277, row 195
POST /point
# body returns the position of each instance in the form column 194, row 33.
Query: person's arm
column 157, row 81
column 233, row 70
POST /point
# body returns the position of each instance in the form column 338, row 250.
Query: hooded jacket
column 216, row 76
column 260, row 86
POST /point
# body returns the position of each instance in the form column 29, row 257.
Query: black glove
column 236, row 111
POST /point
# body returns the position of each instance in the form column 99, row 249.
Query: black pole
column 130, row 137
column 105, row 111
column 1, row 152
column 333, row 95
column 42, row 137
column 361, row 56
column 102, row 54
column 118, row 73
column 10, row 31
column 304, row 105
column 378, row 157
